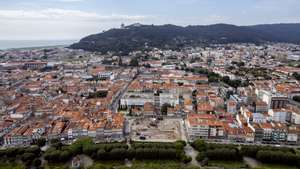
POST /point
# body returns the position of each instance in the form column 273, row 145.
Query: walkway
column 189, row 151
column 253, row 163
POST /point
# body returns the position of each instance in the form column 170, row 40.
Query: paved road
column 114, row 105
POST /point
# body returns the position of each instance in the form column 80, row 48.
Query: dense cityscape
column 160, row 84
column 237, row 94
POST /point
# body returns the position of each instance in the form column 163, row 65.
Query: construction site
column 153, row 129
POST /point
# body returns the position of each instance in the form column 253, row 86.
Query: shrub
column 280, row 157
column 186, row 159
column 41, row 142
column 37, row 162
column 200, row 156
column 223, row 154
column 199, row 145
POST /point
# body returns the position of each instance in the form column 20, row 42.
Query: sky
column 74, row 19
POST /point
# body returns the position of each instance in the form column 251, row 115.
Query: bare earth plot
column 156, row 130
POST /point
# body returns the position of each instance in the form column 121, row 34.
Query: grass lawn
column 144, row 165
column 227, row 164
column 160, row 164
column 275, row 166
column 56, row 166
column 149, row 164
column 11, row 166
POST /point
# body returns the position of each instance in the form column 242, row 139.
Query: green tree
column 89, row 149
column 130, row 154
column 41, row 142
column 134, row 62
column 56, row 143
column 240, row 64
column 296, row 98
column 52, row 155
column 117, row 154
column 180, row 144
column 101, row 154
column 26, row 157
column 199, row 145
column 223, row 154
column 279, row 157
column 37, row 162
column 200, row 156
column 249, row 151
column 77, row 147
column 164, row 108
column 33, row 149
column 296, row 76
column 64, row 156
column 186, row 159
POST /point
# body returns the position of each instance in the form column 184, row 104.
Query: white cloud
column 59, row 23
column 63, row 14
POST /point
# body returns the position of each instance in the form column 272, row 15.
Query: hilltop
column 138, row 36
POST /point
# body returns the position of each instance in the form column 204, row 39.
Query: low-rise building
column 279, row 133
column 204, row 126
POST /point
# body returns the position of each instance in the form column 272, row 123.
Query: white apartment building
column 295, row 119
column 136, row 99
column 280, row 115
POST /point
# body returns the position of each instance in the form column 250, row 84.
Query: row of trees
column 178, row 145
column 255, row 72
column 252, row 150
column 266, row 154
column 53, row 155
column 171, row 151
column 29, row 156
column 226, row 154
column 269, row 154
column 216, row 151
column 234, row 83
column 214, row 77
column 201, row 145
column 117, row 151
column 60, row 153
column 280, row 157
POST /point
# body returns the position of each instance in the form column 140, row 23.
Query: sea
column 19, row 44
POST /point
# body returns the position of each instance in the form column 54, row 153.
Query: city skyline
column 161, row 84
column 74, row 19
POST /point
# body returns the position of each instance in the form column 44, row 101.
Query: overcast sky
column 73, row 19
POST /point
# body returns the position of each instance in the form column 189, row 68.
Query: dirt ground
column 156, row 130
